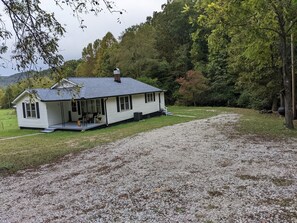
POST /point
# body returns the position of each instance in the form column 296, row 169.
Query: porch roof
column 88, row 88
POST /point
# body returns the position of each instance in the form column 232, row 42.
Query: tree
column 191, row 87
column 2, row 93
column 173, row 44
column 69, row 67
column 258, row 23
column 103, row 62
column 136, row 54
column 37, row 32
column 87, row 66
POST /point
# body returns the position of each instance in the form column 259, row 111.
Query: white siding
column 42, row 122
column 162, row 100
column 139, row 105
column 113, row 115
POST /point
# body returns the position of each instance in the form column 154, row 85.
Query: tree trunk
column 287, row 83
column 274, row 106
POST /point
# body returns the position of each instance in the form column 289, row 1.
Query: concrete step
column 48, row 130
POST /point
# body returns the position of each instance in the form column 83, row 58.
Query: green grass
column 263, row 125
column 32, row 151
column 9, row 125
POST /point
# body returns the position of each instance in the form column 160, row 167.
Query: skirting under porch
column 74, row 127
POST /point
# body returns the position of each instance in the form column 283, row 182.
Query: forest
column 208, row 52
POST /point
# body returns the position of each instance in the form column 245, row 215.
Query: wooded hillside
column 218, row 53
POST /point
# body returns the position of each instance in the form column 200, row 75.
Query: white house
column 85, row 103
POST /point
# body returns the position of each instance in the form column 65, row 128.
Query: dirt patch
column 190, row 172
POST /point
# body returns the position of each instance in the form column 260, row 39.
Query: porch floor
column 75, row 127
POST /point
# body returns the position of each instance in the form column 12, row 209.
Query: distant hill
column 12, row 79
column 7, row 80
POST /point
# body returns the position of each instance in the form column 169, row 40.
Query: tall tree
column 136, row 54
column 274, row 19
column 103, row 61
column 173, row 44
column 87, row 66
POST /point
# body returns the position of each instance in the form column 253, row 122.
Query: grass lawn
column 9, row 125
column 32, row 151
column 29, row 152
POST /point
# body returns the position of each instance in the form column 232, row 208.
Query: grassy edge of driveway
column 33, row 151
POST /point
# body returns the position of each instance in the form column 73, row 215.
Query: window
column 83, row 107
column 149, row 97
column 30, row 110
column 93, row 106
column 98, row 106
column 124, row 103
column 74, row 106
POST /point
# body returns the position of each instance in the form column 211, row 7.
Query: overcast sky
column 75, row 39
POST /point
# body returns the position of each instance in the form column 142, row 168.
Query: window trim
column 126, row 103
column 150, row 97
column 30, row 108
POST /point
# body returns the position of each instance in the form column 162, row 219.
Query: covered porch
column 76, row 115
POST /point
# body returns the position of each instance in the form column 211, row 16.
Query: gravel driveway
column 200, row 171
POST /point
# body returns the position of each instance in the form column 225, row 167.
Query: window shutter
column 24, row 110
column 78, row 107
column 154, row 96
column 131, row 105
column 102, row 107
column 145, row 96
column 37, row 110
column 118, row 104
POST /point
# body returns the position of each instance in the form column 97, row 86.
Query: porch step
column 48, row 130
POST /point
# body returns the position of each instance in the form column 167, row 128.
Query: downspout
column 106, row 118
column 62, row 114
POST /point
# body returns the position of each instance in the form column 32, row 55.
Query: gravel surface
column 200, row 171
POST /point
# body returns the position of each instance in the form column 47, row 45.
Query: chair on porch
column 84, row 118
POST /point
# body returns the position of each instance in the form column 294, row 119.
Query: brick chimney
column 117, row 75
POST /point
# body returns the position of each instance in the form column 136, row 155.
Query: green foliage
column 2, row 93
column 136, row 55
column 173, row 44
column 103, row 61
column 87, row 65
column 97, row 58
column 68, row 68
column 151, row 81
column 235, row 44
column 248, row 50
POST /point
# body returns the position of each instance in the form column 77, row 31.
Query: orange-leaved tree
column 192, row 86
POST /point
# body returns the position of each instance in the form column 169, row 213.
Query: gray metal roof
column 96, row 88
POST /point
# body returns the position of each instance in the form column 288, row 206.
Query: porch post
column 62, row 113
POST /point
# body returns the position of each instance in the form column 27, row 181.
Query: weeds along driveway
column 200, row 171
